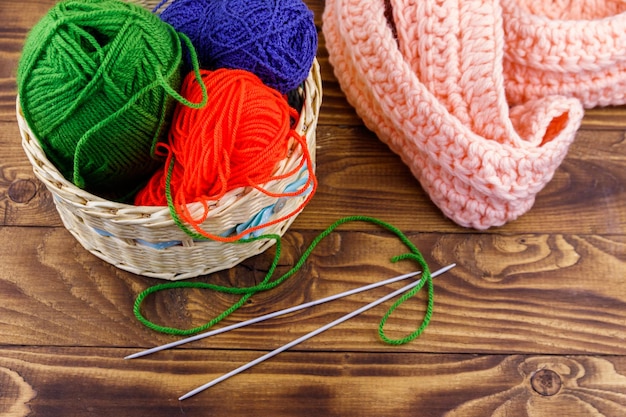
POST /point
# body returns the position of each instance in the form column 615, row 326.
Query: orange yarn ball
column 236, row 140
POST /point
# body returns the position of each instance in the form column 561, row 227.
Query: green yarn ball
column 96, row 81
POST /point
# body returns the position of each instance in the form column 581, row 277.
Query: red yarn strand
column 312, row 180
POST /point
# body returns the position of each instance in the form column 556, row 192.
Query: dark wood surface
column 532, row 322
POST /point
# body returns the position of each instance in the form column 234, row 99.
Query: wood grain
column 531, row 322
column 508, row 294
column 304, row 384
column 355, row 169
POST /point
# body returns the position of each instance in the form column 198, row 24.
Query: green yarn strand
column 246, row 293
column 426, row 279
column 196, row 69
column 266, row 284
column 170, row 203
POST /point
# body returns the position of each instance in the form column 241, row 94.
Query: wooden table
column 532, row 321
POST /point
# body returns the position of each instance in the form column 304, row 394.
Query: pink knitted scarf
column 434, row 79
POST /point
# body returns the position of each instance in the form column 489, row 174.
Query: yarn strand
column 267, row 284
column 196, row 70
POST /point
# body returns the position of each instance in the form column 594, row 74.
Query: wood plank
column 509, row 294
column 530, row 322
column 41, row 382
column 24, row 200
column 355, row 170
column 591, row 177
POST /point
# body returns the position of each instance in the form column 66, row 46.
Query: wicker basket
column 146, row 241
column 148, row 4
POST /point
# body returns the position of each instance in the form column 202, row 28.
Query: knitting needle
column 272, row 315
column 310, row 335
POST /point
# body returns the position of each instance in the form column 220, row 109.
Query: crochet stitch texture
column 434, row 80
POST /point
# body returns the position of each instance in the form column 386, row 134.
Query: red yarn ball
column 236, row 140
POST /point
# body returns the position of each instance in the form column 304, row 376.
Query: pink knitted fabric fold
column 572, row 47
column 431, row 85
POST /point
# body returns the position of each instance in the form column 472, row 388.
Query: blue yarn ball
column 274, row 39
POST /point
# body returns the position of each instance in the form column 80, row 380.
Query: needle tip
column 135, row 355
column 184, row 397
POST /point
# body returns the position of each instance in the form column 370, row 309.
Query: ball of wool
column 235, row 141
column 274, row 39
column 95, row 81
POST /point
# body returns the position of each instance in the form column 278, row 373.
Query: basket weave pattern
column 146, row 241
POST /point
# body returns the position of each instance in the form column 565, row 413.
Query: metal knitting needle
column 272, row 315
column 310, row 335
